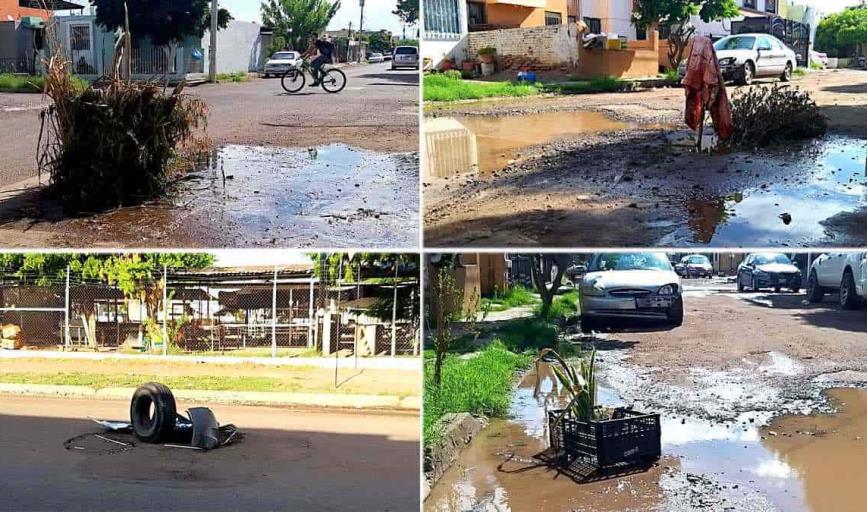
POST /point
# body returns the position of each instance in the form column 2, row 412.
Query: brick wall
column 544, row 48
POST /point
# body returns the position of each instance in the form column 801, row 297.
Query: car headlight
column 760, row 273
column 727, row 61
column 592, row 290
column 669, row 289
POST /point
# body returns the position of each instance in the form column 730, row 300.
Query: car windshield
column 767, row 259
column 698, row 260
column 406, row 50
column 630, row 261
column 735, row 43
column 283, row 56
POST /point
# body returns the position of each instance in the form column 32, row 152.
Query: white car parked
column 743, row 57
column 633, row 285
column 280, row 63
column 845, row 272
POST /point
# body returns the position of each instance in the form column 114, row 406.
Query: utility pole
column 212, row 53
column 361, row 33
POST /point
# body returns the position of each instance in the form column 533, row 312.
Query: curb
column 318, row 400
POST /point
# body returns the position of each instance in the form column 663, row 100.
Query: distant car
column 768, row 270
column 843, row 272
column 743, row 57
column 633, row 285
column 405, row 57
column 694, row 265
column 388, row 55
column 280, row 63
column 375, row 58
column 819, row 57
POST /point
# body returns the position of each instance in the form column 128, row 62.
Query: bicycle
column 333, row 80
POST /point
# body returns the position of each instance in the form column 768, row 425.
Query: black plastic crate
column 631, row 438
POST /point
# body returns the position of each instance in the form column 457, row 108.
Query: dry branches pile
column 763, row 115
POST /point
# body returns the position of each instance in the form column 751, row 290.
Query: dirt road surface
column 640, row 185
column 288, row 460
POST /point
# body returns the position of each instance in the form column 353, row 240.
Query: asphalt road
column 378, row 111
column 288, row 460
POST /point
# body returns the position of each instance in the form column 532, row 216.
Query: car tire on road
column 754, row 284
column 588, row 326
column 848, row 296
column 675, row 313
column 746, row 73
column 814, row 291
column 740, row 284
column 153, row 412
column 787, row 73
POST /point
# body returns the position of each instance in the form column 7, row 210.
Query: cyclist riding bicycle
column 324, row 50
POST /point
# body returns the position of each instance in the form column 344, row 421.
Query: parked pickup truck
column 843, row 271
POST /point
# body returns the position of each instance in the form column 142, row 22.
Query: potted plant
column 487, row 54
column 447, row 64
column 468, row 65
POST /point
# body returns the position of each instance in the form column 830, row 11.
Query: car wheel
column 740, row 284
column 153, row 412
column 814, row 291
column 787, row 73
column 588, row 325
column 675, row 313
column 848, row 297
column 747, row 72
column 795, row 289
column 754, row 284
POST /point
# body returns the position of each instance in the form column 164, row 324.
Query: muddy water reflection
column 485, row 144
column 828, row 453
column 498, row 470
column 831, row 180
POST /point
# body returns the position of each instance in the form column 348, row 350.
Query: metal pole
column 212, row 52
column 394, row 313
column 310, row 319
column 66, row 314
column 361, row 33
column 274, row 317
column 165, row 312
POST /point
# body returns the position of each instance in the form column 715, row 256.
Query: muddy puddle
column 499, row 470
column 794, row 462
column 483, row 144
column 822, row 181
column 330, row 196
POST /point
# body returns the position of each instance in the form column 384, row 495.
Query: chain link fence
column 261, row 313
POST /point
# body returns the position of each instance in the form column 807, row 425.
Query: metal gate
column 794, row 34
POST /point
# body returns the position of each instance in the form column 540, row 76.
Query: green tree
column 163, row 22
column 296, row 20
column 378, row 42
column 547, row 272
column 407, row 11
column 843, row 34
column 676, row 14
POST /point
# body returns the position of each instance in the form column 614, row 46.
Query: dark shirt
column 325, row 48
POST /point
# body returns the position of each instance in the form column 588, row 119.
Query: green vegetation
column 232, row 77
column 479, row 385
column 192, row 382
column 842, row 34
column 515, row 297
column 527, row 334
column 580, row 384
column 801, row 72
column 672, row 75
column 596, row 85
column 563, row 306
column 31, row 83
column 449, row 86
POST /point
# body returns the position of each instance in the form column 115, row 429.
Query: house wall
column 8, row 40
column 639, row 60
column 615, row 15
column 239, row 48
column 437, row 47
column 493, row 273
column 11, row 8
column 551, row 47
column 509, row 15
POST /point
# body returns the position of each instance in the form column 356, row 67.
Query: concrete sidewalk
column 368, row 363
column 315, row 400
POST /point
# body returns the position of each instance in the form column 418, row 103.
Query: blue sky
column 377, row 14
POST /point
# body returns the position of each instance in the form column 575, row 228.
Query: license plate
column 652, row 302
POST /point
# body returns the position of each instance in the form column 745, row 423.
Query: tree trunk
column 540, row 271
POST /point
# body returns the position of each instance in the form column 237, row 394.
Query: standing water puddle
column 483, row 144
column 797, row 462
column 828, row 179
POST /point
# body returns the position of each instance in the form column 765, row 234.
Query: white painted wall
column 438, row 49
column 616, row 15
column 238, row 47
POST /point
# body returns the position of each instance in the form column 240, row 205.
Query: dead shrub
column 763, row 115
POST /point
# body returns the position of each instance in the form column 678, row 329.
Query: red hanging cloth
column 705, row 89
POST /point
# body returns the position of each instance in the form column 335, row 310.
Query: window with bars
column 442, row 19
column 476, row 13
column 750, row 4
column 79, row 37
column 553, row 18
column 771, row 6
